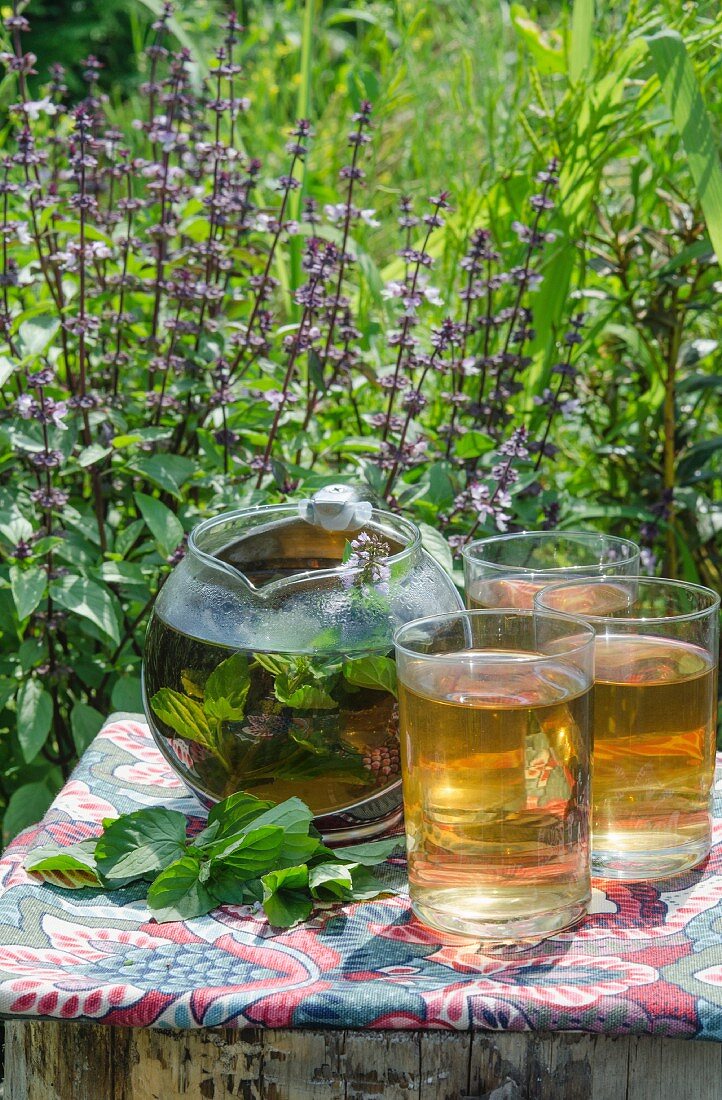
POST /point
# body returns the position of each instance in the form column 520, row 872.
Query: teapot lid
column 336, row 508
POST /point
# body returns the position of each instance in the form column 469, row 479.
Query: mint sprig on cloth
column 251, row 851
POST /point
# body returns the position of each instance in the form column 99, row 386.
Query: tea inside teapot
column 269, row 660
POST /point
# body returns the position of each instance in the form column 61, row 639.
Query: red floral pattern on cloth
column 647, row 960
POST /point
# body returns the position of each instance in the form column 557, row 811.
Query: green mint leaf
column 178, row 894
column 28, row 588
column 378, row 673
column 286, row 900
column 306, row 697
column 330, row 882
column 228, row 818
column 185, row 716
column 370, row 854
column 366, row 885
column 256, row 853
column 194, row 683
column 227, row 889
column 72, row 867
column 294, row 817
column 272, row 662
column 140, row 844
column 226, row 689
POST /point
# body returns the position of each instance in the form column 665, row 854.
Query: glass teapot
column 269, row 659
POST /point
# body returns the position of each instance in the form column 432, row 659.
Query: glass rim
column 712, row 597
column 478, row 613
column 469, row 552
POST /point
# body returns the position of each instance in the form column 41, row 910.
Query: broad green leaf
column 228, row 889
column 473, row 443
column 35, row 718
column 330, row 882
column 366, row 885
column 286, row 899
column 140, row 844
column 226, row 689
column 37, row 332
column 186, row 716
column 125, row 574
column 85, row 722
column 165, row 527
column 178, row 893
column 580, row 48
column 295, row 817
column 127, row 695
column 683, row 97
column 26, row 806
column 92, row 454
column 378, row 673
column 28, row 588
column 194, row 682
column 306, row 697
column 257, row 852
column 90, row 600
column 168, row 472
column 371, row 853
column 71, row 867
column 228, row 818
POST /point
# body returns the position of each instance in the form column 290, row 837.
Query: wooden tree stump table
column 60, row 1061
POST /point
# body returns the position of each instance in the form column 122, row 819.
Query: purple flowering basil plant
column 159, row 363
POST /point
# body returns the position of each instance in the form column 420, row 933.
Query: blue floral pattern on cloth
column 647, row 960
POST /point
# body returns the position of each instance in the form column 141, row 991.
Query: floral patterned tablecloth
column 647, row 960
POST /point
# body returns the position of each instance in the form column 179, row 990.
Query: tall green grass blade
column 580, row 49
column 683, row 97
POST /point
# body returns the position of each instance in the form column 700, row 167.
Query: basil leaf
column 256, row 852
column 378, row 673
column 228, row 889
column 194, row 683
column 28, row 588
column 330, row 882
column 226, row 689
column 286, row 899
column 185, row 716
column 228, row 818
column 293, row 816
column 140, row 844
column 366, row 885
column 72, row 867
column 306, row 697
column 272, row 662
column 178, row 893
column 370, row 854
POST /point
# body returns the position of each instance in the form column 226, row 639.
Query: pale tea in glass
column 655, row 702
column 509, row 570
column 495, row 745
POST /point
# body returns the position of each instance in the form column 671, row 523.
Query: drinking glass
column 495, row 748
column 655, row 703
column 508, row 570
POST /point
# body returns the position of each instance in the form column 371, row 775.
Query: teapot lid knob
column 336, row 508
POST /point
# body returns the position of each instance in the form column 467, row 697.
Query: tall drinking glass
column 508, row 570
column 495, row 747
column 655, row 705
